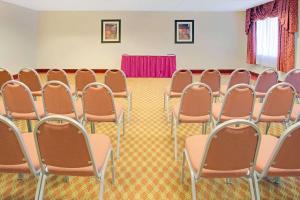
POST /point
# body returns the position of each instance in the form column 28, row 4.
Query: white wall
column 73, row 39
column 18, row 29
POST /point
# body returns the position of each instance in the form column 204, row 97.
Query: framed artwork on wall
column 111, row 31
column 184, row 31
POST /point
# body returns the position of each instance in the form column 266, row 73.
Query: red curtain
column 287, row 13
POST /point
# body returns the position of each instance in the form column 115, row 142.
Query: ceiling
column 138, row 5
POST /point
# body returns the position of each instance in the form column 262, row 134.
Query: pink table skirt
column 148, row 66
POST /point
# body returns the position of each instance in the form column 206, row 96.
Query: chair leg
column 29, row 126
column 66, row 179
column 183, row 167
column 129, row 107
column 101, row 193
column 251, row 188
column 118, row 140
column 113, row 175
column 205, row 128
column 164, row 102
column 167, row 108
column 123, row 123
column 20, row 177
column 175, row 140
column 268, row 127
column 172, row 125
column 92, row 127
column 256, row 187
column 194, row 192
column 39, row 195
column 228, row 181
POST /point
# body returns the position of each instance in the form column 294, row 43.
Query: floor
column 146, row 168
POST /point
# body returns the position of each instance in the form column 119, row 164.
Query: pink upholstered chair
column 277, row 105
column 85, row 155
column 212, row 78
column 295, row 116
column 279, row 157
column 2, row 109
column 17, row 150
column 115, row 79
column 180, row 79
column 5, row 76
column 99, row 106
column 60, row 75
column 19, row 103
column 238, row 76
column 83, row 77
column 32, row 79
column 230, row 151
column 195, row 107
column 238, row 104
column 57, row 100
column 265, row 81
column 293, row 78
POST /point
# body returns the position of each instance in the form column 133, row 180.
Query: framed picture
column 111, row 31
column 184, row 31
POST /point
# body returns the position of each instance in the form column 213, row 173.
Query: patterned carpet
column 146, row 168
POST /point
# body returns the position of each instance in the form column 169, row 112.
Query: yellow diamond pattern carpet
column 146, row 168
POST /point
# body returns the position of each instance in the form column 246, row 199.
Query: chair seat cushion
column 106, row 118
column 32, row 115
column 122, row 94
column 24, row 168
column 260, row 94
column 172, row 94
column 100, row 146
column 2, row 109
column 217, row 107
column 37, row 93
column 295, row 112
column 189, row 119
column 265, row 118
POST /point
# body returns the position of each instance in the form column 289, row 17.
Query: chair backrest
column 238, row 102
column 286, row 152
column 279, row 100
column 239, row 76
column 5, row 76
column 62, row 143
column 180, row 79
column 98, row 100
column 266, row 80
column 115, row 79
column 212, row 78
column 83, row 77
column 12, row 147
column 30, row 78
column 17, row 98
column 196, row 100
column 57, row 99
column 58, row 75
column 233, row 145
column 293, row 78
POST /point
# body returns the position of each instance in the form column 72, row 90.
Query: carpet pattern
column 146, row 168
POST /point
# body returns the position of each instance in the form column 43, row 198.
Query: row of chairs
column 237, row 149
column 115, row 79
column 239, row 103
column 44, row 152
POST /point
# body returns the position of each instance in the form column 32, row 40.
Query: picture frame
column 111, row 31
column 184, row 31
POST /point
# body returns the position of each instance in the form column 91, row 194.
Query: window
column 267, row 42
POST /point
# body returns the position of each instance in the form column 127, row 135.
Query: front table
column 148, row 66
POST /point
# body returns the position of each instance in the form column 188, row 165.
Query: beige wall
column 73, row 39
column 17, row 37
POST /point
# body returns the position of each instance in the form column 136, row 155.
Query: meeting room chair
column 277, row 105
column 83, row 77
column 195, row 107
column 115, row 79
column 5, row 76
column 279, row 157
column 293, row 78
column 57, row 100
column 86, row 155
column 32, row 80
column 60, row 75
column 230, row 151
column 17, row 150
column 264, row 82
column 212, row 78
column 19, row 103
column 238, row 76
column 238, row 104
column 180, row 79
column 99, row 106
column 2, row 109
